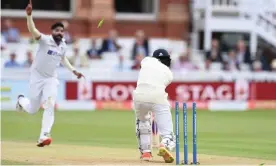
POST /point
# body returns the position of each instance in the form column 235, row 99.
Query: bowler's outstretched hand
column 79, row 75
column 29, row 8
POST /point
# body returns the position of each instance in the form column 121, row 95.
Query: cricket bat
column 155, row 135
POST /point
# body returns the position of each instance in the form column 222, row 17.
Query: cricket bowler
column 43, row 81
column 150, row 96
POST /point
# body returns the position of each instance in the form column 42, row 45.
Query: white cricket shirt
column 153, row 79
column 48, row 56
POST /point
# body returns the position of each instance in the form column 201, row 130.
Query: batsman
column 150, row 96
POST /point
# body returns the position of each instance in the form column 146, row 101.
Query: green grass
column 9, row 162
column 247, row 134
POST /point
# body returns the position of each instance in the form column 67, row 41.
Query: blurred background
column 223, row 51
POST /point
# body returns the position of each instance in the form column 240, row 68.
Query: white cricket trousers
column 162, row 117
column 43, row 92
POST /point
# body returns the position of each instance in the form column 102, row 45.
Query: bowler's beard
column 57, row 38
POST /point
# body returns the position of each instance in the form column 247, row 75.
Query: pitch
column 108, row 137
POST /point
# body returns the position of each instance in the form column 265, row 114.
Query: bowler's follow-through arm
column 30, row 23
column 37, row 35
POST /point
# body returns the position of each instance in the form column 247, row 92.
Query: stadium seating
column 109, row 60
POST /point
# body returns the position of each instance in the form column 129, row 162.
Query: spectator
column 3, row 42
column 67, row 36
column 110, row 44
column 273, row 65
column 93, row 52
column 78, row 60
column 257, row 66
column 137, row 62
column 141, row 45
column 184, row 63
column 12, row 62
column 29, row 60
column 121, row 65
column 213, row 55
column 243, row 54
column 231, row 64
column 10, row 33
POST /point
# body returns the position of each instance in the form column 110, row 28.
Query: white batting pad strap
column 145, row 127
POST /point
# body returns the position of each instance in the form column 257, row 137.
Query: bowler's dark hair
column 58, row 24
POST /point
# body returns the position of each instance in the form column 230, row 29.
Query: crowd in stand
column 233, row 60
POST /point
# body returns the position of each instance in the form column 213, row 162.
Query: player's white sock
column 25, row 104
column 47, row 122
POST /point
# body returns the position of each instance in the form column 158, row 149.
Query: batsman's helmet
column 163, row 56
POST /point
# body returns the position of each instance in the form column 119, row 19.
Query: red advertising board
column 181, row 91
